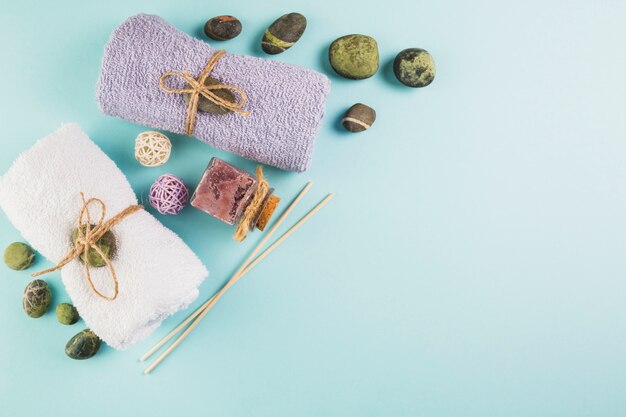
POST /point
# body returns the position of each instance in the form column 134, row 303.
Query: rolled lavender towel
column 157, row 272
column 286, row 102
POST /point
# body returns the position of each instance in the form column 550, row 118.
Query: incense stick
column 267, row 236
column 240, row 272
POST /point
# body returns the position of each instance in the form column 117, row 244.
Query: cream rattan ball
column 152, row 149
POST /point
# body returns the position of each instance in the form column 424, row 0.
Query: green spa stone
column 67, row 314
column 283, row 33
column 18, row 256
column 36, row 299
column 83, row 345
column 354, row 56
column 207, row 106
column 107, row 245
column 414, row 67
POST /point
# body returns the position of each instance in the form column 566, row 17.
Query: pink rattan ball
column 168, row 194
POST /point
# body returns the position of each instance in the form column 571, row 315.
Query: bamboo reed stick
column 240, row 272
column 199, row 310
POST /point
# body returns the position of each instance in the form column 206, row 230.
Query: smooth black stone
column 222, row 28
column 287, row 28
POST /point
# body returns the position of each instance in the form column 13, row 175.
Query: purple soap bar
column 224, row 191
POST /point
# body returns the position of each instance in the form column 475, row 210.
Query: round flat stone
column 222, row 28
column 414, row 67
column 358, row 118
column 354, row 56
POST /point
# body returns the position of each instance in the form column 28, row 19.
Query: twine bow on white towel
column 88, row 236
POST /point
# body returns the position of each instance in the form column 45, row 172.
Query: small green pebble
column 354, row 56
column 414, row 67
column 18, row 256
column 36, row 299
column 83, row 345
column 107, row 245
column 67, row 313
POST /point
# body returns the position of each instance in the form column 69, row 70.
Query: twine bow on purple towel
column 196, row 87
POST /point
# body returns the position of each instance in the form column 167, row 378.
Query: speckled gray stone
column 414, row 67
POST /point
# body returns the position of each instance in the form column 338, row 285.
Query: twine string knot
column 196, row 88
column 88, row 235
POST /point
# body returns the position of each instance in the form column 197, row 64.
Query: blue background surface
column 472, row 264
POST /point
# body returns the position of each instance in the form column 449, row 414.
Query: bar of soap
column 224, row 191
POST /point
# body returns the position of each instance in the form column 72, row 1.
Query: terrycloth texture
column 286, row 102
column 158, row 274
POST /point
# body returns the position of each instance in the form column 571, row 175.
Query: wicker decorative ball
column 168, row 194
column 152, row 149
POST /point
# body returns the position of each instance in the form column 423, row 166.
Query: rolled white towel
column 158, row 274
